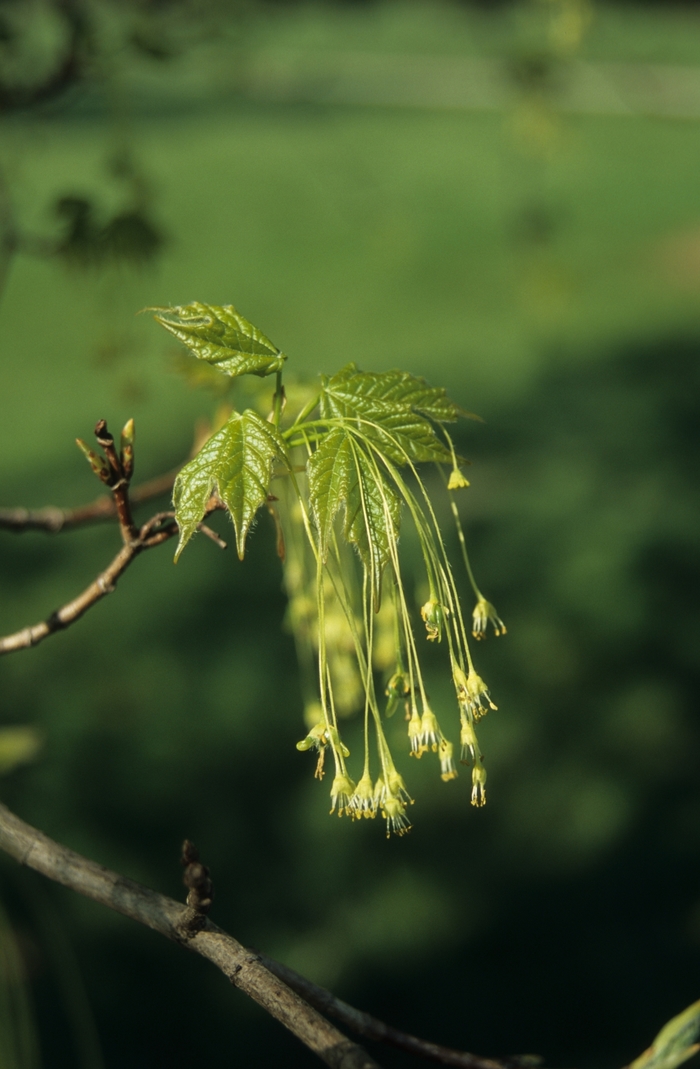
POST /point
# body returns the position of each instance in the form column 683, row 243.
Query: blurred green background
column 509, row 204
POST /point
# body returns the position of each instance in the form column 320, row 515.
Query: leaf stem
column 279, row 395
column 306, row 411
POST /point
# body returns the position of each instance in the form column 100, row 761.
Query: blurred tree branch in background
column 52, row 519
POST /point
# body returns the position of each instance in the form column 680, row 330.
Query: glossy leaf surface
column 397, row 387
column 342, row 474
column 389, row 408
column 223, row 338
column 237, row 463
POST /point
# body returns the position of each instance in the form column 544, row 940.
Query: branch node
column 190, row 923
column 196, row 879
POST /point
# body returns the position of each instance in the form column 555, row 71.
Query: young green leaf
column 397, row 387
column 372, row 517
column 343, row 475
column 330, row 470
column 675, row 1043
column 223, row 338
column 237, row 463
column 386, row 409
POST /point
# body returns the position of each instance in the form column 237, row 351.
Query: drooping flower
column 342, row 791
column 433, row 615
column 397, row 689
column 362, row 803
column 472, row 693
column 317, row 739
column 456, row 480
column 479, row 784
column 397, row 787
column 430, row 734
column 394, row 812
column 468, row 741
column 447, row 765
column 415, row 735
column 483, row 615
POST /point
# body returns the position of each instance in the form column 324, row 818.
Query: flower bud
column 456, row 480
column 434, row 617
column 396, row 689
column 316, row 738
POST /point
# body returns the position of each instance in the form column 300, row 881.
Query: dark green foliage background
column 565, row 917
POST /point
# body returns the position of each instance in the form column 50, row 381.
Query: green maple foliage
column 344, row 468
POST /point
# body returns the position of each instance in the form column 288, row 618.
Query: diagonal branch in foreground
column 241, row 966
column 363, row 1024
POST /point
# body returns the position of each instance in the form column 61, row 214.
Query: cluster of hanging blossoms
column 336, row 467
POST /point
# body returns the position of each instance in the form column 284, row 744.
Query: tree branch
column 242, row 967
column 52, row 519
column 371, row 1028
column 105, row 583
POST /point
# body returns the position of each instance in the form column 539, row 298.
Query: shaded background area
column 471, row 194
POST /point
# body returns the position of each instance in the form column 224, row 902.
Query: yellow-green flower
column 472, row 693
column 342, row 791
column 456, row 480
column 397, row 688
column 394, row 812
column 415, row 735
column 447, row 765
column 483, row 615
column 362, row 803
column 433, row 615
column 430, row 734
column 468, row 741
column 479, row 784
column 317, row 739
column 397, row 787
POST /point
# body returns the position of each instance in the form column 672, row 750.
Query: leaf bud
column 102, row 434
column 98, row 464
column 126, row 452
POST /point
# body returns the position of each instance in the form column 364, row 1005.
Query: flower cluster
column 343, row 457
column 350, row 610
column 385, row 641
